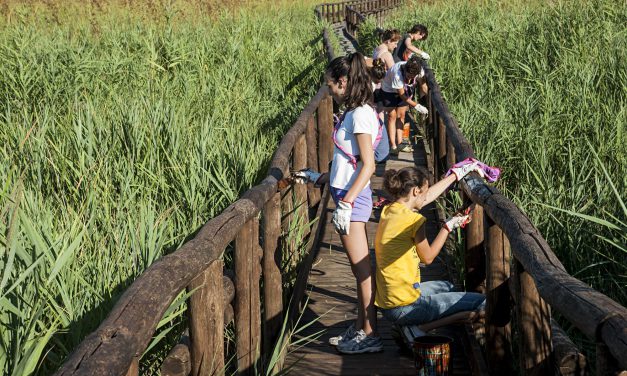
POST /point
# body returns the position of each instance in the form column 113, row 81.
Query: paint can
column 432, row 355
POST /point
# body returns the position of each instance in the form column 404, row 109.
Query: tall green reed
column 530, row 84
column 122, row 134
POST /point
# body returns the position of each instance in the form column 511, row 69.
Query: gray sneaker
column 360, row 344
column 348, row 334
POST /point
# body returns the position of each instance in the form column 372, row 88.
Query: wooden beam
column 475, row 254
column 311, row 135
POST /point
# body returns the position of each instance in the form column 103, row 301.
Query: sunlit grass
column 121, row 134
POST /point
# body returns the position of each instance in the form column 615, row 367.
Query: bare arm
column 411, row 47
column 426, row 252
column 438, row 188
column 410, row 101
column 364, row 142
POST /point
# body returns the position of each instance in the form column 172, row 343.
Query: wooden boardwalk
column 332, row 302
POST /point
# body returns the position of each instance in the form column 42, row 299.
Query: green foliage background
column 123, row 130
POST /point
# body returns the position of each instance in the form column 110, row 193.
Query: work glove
column 421, row 109
column 464, row 170
column 456, row 221
column 342, row 217
column 424, row 55
column 306, row 176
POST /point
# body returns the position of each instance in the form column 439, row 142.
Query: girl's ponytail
column 359, row 86
column 400, row 183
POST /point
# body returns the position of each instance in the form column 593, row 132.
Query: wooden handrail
column 597, row 316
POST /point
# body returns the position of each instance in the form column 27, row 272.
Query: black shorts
column 391, row 99
column 377, row 95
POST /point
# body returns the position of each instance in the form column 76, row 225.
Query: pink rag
column 491, row 173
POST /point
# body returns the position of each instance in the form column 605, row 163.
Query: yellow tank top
column 397, row 260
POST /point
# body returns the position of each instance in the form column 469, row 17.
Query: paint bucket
column 406, row 131
column 432, row 355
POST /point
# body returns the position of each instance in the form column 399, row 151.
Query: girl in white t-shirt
column 397, row 91
column 349, row 83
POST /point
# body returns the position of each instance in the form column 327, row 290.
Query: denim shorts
column 362, row 206
column 437, row 300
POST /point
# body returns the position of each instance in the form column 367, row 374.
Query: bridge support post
column 272, row 280
column 475, row 254
column 325, row 128
column 311, row 136
column 498, row 328
column 247, row 300
column 534, row 322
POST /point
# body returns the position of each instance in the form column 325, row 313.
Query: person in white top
column 397, row 90
column 389, row 41
column 349, row 83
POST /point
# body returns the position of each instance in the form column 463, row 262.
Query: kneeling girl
column 401, row 244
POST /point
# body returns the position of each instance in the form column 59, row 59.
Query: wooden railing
column 253, row 225
column 337, row 12
column 508, row 259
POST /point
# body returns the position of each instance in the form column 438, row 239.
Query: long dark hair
column 399, row 183
column 358, row 87
column 419, row 28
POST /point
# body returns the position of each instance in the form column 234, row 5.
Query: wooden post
column 311, row 136
column 325, row 128
column 498, row 330
column 432, row 134
column 569, row 361
column 300, row 190
column 534, row 320
column 475, row 255
column 606, row 365
column 272, row 283
column 247, row 320
column 451, row 158
column 206, row 321
column 441, row 144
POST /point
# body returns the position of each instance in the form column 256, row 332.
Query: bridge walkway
column 332, row 301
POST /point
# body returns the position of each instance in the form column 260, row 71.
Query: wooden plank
column 206, row 321
column 498, row 330
column 533, row 314
column 273, row 286
column 244, row 320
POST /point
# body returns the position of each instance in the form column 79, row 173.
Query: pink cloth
column 491, row 173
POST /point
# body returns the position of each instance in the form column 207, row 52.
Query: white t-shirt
column 363, row 119
column 394, row 79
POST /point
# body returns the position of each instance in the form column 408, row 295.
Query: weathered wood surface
column 206, row 320
column 273, row 284
column 569, row 361
column 332, row 303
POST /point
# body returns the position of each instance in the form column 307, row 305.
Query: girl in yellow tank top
column 400, row 246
